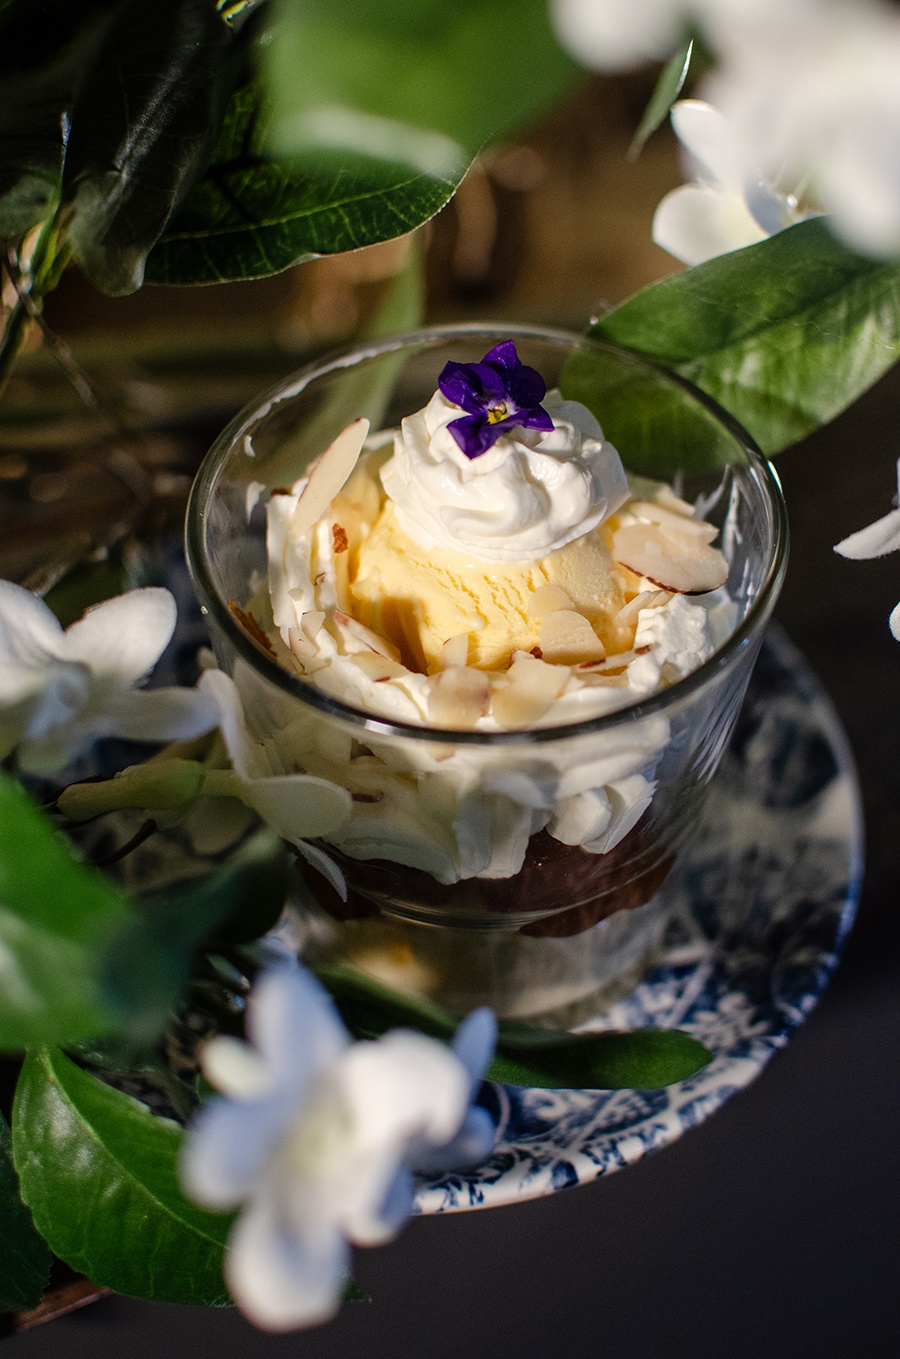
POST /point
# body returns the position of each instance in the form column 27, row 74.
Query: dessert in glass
column 505, row 586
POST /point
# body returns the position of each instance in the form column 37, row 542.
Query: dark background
column 773, row 1230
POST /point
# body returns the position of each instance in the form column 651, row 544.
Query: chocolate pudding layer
column 560, row 890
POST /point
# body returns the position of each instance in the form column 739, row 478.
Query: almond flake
column 361, row 633
column 647, row 599
column 667, row 497
column 548, row 599
column 327, row 476
column 378, row 668
column 311, row 623
column 568, row 638
column 458, row 697
column 454, row 652
column 530, row 689
column 666, row 561
column 677, row 524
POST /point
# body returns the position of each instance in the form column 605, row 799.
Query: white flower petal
column 158, row 714
column 298, row 806
column 611, row 35
column 235, row 1068
column 123, row 638
column 221, row 688
column 29, row 630
column 472, row 1144
column 293, row 1022
column 403, row 1086
column 877, row 540
column 226, row 1149
column 281, row 1276
column 398, row 1203
column 705, row 134
column 894, row 622
column 474, row 1042
column 695, row 223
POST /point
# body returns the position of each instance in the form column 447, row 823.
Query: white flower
column 61, row 690
column 812, row 90
column 723, row 209
column 314, row 1140
column 877, row 540
column 612, row 35
column 296, row 806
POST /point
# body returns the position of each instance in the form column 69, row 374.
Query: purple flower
column 499, row 393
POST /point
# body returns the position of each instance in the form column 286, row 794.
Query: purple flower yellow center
column 499, row 394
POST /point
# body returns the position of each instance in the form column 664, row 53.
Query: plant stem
column 48, row 259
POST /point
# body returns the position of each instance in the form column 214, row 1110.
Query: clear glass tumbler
column 446, row 880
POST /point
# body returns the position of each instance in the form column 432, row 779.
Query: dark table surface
column 770, row 1232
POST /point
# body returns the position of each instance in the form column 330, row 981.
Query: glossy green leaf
column 666, row 90
column 24, row 1257
column 784, row 334
column 99, row 1173
column 657, row 424
column 414, row 83
column 643, row 1059
column 251, row 215
column 56, row 919
column 546, row 1058
column 143, row 123
column 46, row 46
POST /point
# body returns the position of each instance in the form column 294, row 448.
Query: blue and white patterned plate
column 766, row 896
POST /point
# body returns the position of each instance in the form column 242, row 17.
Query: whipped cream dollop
column 528, row 495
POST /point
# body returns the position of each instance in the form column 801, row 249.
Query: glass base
column 554, row 982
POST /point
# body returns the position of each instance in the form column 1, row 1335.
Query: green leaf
column 784, row 334
column 143, row 124
column 24, row 1258
column 641, row 1060
column 667, row 89
column 417, row 84
column 56, row 919
column 251, row 215
column 545, row 1058
column 45, row 50
column 99, row 1173
column 657, row 423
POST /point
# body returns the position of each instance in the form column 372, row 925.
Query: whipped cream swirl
column 528, row 495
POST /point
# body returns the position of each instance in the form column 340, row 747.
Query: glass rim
column 213, row 605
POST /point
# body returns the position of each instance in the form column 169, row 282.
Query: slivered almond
column 647, row 599
column 679, row 524
column 458, row 697
column 373, row 640
column 667, row 497
column 327, row 476
column 454, row 652
column 567, row 638
column 530, row 689
column 376, row 667
column 311, row 623
column 649, row 551
column 548, row 599
column 301, row 646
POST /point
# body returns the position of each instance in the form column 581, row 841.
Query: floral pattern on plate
column 763, row 900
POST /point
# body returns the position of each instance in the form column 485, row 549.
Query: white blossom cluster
column 809, row 91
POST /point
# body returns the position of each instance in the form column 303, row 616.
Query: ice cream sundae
column 485, row 629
